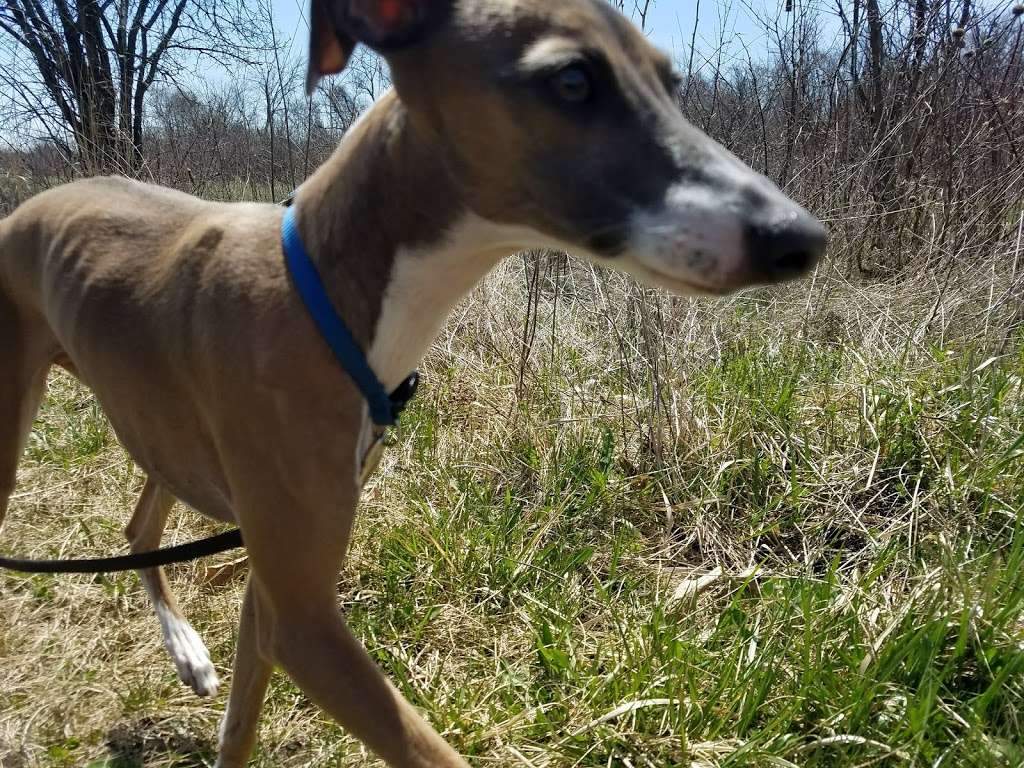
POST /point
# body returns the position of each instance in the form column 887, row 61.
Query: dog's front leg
column 295, row 556
column 248, row 684
column 324, row 659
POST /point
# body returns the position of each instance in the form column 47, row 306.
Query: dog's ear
column 329, row 50
column 336, row 26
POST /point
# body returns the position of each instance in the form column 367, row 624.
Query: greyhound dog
column 512, row 125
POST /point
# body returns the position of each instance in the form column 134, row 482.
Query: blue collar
column 384, row 408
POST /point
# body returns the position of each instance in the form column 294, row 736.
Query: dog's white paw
column 189, row 654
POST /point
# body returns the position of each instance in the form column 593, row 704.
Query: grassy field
column 783, row 529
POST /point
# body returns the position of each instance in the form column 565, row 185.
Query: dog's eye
column 572, row 84
column 673, row 82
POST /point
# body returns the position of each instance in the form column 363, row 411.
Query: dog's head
column 558, row 116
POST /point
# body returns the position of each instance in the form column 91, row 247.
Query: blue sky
column 669, row 24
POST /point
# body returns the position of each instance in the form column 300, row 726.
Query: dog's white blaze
column 426, row 284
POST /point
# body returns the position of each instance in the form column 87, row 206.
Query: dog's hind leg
column 186, row 648
column 24, row 363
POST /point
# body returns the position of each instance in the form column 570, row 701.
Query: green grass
column 858, row 484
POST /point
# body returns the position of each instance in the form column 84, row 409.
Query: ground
column 806, row 550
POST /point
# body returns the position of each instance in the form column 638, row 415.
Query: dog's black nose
column 786, row 247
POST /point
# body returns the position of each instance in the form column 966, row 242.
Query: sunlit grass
column 810, row 553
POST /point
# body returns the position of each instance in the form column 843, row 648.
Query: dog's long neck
column 393, row 238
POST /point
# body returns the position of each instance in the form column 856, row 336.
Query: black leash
column 182, row 553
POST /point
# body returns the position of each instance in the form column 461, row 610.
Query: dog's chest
column 424, row 286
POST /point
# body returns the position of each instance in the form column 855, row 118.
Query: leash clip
column 405, row 392
column 400, row 398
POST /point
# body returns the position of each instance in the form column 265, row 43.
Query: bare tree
column 95, row 61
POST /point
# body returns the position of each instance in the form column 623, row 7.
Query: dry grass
column 849, row 457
